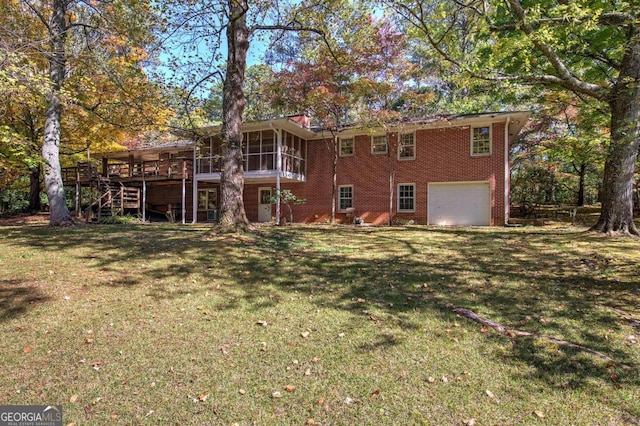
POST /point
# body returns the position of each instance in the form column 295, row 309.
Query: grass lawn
column 170, row 324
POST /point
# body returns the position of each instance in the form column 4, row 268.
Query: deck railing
column 254, row 162
column 156, row 169
column 136, row 171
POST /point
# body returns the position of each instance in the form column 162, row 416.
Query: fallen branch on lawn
column 512, row 332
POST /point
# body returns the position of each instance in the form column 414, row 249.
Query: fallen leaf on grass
column 242, row 391
column 27, row 349
column 73, row 399
column 304, row 334
column 489, row 393
column 88, row 341
column 539, row 414
column 470, row 422
column 203, row 397
column 276, row 394
column 290, row 388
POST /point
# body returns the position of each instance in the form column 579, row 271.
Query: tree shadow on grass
column 539, row 282
column 17, row 298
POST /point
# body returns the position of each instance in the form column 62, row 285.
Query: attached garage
column 459, row 203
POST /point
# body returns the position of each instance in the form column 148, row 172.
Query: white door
column 264, row 204
column 459, row 203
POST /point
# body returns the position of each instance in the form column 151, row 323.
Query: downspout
column 507, row 171
column 278, row 168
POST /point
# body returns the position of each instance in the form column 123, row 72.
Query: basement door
column 459, row 203
column 264, row 204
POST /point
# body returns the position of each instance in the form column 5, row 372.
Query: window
column 345, row 197
column 406, row 146
column 379, row 144
column 347, row 147
column 207, row 199
column 481, row 140
column 406, row 197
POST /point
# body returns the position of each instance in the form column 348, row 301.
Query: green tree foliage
column 587, row 47
column 258, row 79
column 568, row 140
column 287, row 198
column 80, row 76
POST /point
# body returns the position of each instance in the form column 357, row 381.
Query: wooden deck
column 156, row 170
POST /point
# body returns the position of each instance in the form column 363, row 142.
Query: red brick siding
column 442, row 155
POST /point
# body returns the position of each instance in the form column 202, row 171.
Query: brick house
column 444, row 170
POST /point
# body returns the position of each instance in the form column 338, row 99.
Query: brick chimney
column 303, row 120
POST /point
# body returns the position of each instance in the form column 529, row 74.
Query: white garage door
column 464, row 204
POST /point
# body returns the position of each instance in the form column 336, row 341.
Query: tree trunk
column 60, row 215
column 582, row 171
column 34, row 190
column 232, row 212
column 616, row 215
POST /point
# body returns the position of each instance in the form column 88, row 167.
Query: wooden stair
column 115, row 199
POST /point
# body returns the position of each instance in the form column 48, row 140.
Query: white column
column 194, row 185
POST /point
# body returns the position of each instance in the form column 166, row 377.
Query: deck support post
column 144, row 199
column 184, row 196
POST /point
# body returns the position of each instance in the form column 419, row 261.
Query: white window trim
column 398, row 197
column 386, row 137
column 208, row 191
column 353, row 151
column 400, row 146
column 484, row 154
column 339, row 198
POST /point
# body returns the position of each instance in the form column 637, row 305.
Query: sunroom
column 272, row 150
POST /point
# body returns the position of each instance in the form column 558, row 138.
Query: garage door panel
column 462, row 204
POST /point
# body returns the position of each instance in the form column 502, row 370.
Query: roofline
column 281, row 123
column 517, row 119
